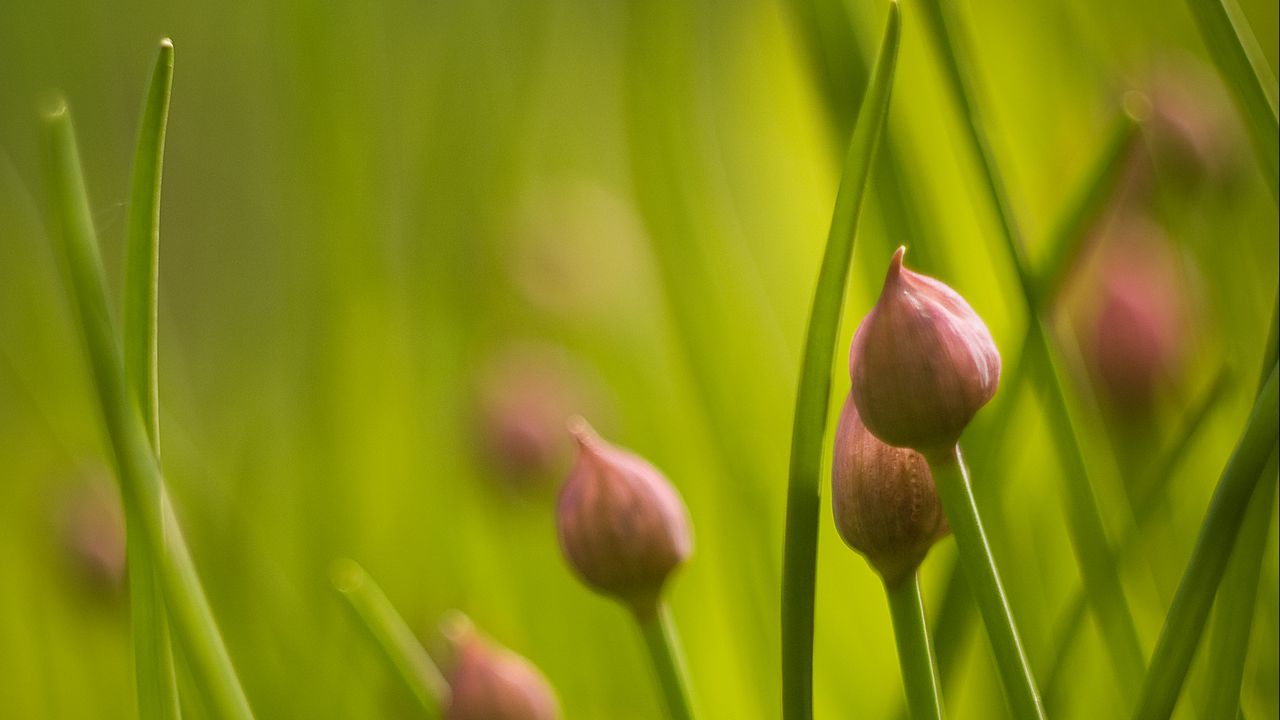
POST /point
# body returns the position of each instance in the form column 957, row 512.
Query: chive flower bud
column 622, row 526
column 1140, row 328
column 885, row 503
column 488, row 682
column 922, row 363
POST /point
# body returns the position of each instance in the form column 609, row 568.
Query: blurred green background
column 402, row 240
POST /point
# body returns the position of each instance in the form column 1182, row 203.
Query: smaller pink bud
column 922, row 363
column 93, row 533
column 1140, row 325
column 885, row 503
column 622, row 525
column 488, row 682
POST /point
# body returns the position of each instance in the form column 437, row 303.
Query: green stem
column 915, row 657
column 1233, row 614
column 1229, row 41
column 392, row 634
column 1191, row 604
column 142, row 486
column 663, row 643
column 1149, row 487
column 153, row 653
column 813, row 394
column 952, row 480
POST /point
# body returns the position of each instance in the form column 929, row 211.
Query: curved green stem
column 392, row 634
column 915, row 657
column 663, row 643
column 813, row 394
column 1191, row 604
column 952, row 480
column 1233, row 614
column 152, row 651
column 1239, row 58
column 141, row 483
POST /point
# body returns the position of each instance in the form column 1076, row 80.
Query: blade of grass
column 663, row 644
column 153, row 655
column 1233, row 614
column 1092, row 549
column 1148, row 490
column 954, row 490
column 1185, row 622
column 1228, row 40
column 813, row 394
column 391, row 633
column 142, row 486
column 915, row 657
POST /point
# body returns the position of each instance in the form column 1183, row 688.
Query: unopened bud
column 922, row 363
column 885, row 503
column 622, row 526
column 1140, row 325
column 93, row 533
column 488, row 682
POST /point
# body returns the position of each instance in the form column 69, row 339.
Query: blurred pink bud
column 622, row 526
column 885, row 503
column 94, row 535
column 1190, row 129
column 488, row 682
column 524, row 396
column 1139, row 327
column 922, row 363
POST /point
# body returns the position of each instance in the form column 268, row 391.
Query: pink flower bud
column 885, row 503
column 922, row 363
column 93, row 534
column 1140, row 324
column 488, row 682
column 623, row 527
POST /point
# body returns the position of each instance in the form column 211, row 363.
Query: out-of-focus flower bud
column 1191, row 130
column 885, row 503
column 93, row 533
column 488, row 682
column 922, row 363
column 1140, row 324
column 524, row 394
column 622, row 526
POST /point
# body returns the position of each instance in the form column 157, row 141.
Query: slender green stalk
column 814, row 390
column 952, row 480
column 1191, row 604
column 663, row 643
column 142, row 486
column 153, row 654
column 1094, row 553
column 1229, row 41
column 1233, row 614
column 391, row 633
column 1148, row 489
column 1092, row 549
column 915, row 657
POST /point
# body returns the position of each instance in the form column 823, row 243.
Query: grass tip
column 456, row 626
column 346, row 575
column 1136, row 105
column 53, row 105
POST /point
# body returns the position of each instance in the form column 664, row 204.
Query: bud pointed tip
column 895, row 269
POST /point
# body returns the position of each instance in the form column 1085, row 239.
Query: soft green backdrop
column 368, row 204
